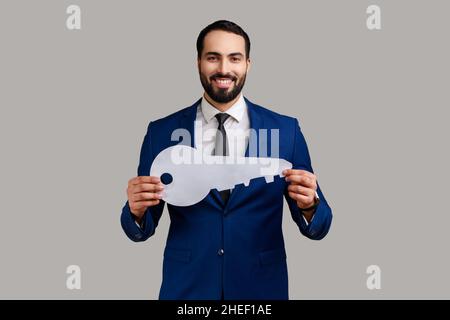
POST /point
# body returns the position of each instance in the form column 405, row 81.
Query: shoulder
column 172, row 120
column 271, row 116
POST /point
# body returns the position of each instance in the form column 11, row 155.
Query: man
column 229, row 245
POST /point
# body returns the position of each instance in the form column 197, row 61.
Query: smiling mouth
column 222, row 83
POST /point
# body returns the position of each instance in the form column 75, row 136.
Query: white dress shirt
column 237, row 127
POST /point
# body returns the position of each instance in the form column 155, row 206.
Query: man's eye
column 211, row 58
column 235, row 59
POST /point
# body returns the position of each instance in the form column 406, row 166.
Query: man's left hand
column 302, row 187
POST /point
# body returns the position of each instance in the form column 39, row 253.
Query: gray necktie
column 221, row 148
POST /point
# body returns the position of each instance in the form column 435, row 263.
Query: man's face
column 223, row 65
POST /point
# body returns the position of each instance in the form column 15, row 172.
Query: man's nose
column 224, row 67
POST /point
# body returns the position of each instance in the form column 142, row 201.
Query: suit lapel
column 187, row 122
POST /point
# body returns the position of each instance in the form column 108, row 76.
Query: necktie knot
column 221, row 118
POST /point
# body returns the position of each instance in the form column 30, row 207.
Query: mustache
column 223, row 76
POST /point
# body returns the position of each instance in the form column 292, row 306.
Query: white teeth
column 223, row 81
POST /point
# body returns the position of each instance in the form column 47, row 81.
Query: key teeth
column 269, row 179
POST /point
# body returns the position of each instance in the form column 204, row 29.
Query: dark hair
column 223, row 25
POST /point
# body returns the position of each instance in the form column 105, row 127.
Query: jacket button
column 220, row 252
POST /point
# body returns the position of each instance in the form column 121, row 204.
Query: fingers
column 145, row 196
column 301, row 198
column 308, row 192
column 303, row 180
column 147, row 187
column 289, row 172
column 144, row 179
column 144, row 184
column 144, row 192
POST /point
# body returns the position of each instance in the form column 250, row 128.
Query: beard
column 222, row 95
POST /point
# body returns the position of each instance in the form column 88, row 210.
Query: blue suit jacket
column 235, row 251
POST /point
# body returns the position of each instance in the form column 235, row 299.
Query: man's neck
column 222, row 107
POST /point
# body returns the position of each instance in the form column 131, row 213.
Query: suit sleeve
column 153, row 214
column 321, row 222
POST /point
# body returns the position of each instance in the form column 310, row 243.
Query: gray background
column 74, row 107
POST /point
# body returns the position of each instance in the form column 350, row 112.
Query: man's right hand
column 143, row 192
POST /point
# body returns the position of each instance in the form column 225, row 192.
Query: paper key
column 192, row 174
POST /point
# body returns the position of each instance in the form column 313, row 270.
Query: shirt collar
column 236, row 111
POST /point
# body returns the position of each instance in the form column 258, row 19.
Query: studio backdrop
column 367, row 80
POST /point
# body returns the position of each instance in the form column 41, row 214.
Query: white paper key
column 194, row 174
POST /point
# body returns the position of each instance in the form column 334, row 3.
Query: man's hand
column 143, row 192
column 302, row 188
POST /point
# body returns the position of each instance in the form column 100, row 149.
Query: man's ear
column 248, row 64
